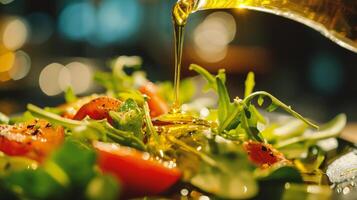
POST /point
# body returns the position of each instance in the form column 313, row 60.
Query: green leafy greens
column 88, row 129
column 240, row 116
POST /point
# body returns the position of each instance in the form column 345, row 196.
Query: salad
column 126, row 143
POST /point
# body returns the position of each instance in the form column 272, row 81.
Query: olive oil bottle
column 335, row 19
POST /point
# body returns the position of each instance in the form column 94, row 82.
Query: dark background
column 293, row 62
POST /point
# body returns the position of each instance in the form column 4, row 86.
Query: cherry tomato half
column 69, row 110
column 35, row 139
column 98, row 108
column 138, row 174
column 262, row 154
column 156, row 103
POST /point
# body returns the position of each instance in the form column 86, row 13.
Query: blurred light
column 41, row 25
column 212, row 36
column 204, row 112
column 64, row 78
column 118, row 20
column 77, row 20
column 326, row 74
column 6, row 1
column 49, row 79
column 4, row 76
column 21, row 66
column 14, row 34
column 81, row 76
column 6, row 61
column 203, row 197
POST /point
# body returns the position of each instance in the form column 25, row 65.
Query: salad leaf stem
column 249, row 84
column 53, row 118
column 149, row 125
column 223, row 100
column 278, row 103
column 69, row 95
column 237, row 109
column 208, row 76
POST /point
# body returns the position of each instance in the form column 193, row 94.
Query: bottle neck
column 333, row 20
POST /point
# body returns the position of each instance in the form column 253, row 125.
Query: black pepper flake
column 264, row 148
column 48, row 125
column 30, row 126
column 35, row 132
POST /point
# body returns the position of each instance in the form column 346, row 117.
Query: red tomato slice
column 98, row 108
column 138, row 174
column 69, row 110
column 156, row 103
column 35, row 139
column 262, row 154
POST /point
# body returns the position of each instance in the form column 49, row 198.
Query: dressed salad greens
column 126, row 143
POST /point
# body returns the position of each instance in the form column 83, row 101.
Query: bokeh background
column 47, row 45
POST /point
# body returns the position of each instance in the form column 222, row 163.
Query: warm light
column 49, row 79
column 56, row 78
column 21, row 66
column 4, row 76
column 212, row 36
column 6, row 61
column 64, row 79
column 14, row 34
column 80, row 76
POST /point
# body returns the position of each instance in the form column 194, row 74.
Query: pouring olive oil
column 335, row 19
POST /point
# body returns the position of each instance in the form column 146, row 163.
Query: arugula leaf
column 102, row 187
column 241, row 112
column 313, row 160
column 79, row 168
column 118, row 82
column 129, row 118
column 131, row 94
column 223, row 100
column 69, row 95
column 9, row 164
column 187, row 90
column 106, row 80
column 331, row 129
column 35, row 184
column 251, row 129
column 249, row 84
column 227, row 170
column 275, row 103
column 211, row 80
column 26, row 116
column 217, row 83
column 279, row 174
